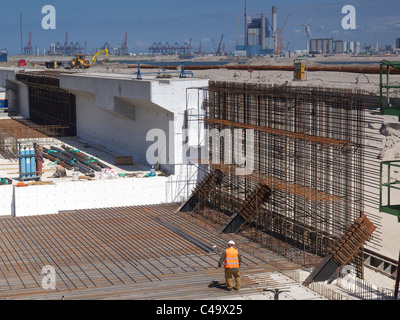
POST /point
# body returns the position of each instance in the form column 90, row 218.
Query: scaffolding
column 386, row 66
column 305, row 144
column 389, row 188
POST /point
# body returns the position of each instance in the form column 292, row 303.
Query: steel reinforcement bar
column 306, row 145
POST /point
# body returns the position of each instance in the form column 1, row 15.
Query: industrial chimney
column 263, row 32
column 274, row 26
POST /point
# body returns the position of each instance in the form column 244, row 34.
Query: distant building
column 397, row 43
column 357, row 47
column 261, row 36
column 321, row 46
column 339, row 47
column 258, row 37
column 351, row 47
column 329, row 46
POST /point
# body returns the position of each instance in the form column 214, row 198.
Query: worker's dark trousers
column 229, row 272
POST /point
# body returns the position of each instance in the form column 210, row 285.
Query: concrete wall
column 18, row 92
column 7, row 74
column 51, row 199
column 179, row 96
column 118, row 111
column 116, row 132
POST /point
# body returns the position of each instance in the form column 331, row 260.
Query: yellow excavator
column 94, row 59
column 79, row 62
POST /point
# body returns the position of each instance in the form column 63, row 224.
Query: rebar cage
column 305, row 143
column 48, row 103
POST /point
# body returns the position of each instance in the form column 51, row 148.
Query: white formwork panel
column 80, row 195
column 63, row 199
column 65, row 195
column 6, row 200
column 74, row 195
column 103, row 194
column 149, row 191
column 110, row 193
column 131, row 191
column 121, row 192
column 35, row 200
column 128, row 191
column 84, row 195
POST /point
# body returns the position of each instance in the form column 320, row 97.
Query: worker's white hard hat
column 231, row 242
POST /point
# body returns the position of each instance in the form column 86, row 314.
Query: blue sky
column 151, row 21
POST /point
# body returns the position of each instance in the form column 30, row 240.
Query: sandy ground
column 367, row 82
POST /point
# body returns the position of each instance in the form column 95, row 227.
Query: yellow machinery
column 94, row 59
column 299, row 69
column 79, row 62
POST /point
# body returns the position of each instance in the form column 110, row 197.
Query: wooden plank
column 290, row 134
column 123, row 160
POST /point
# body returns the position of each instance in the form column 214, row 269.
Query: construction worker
column 231, row 260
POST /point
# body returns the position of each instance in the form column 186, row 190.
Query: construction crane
column 218, row 53
column 105, row 50
column 213, row 45
column 198, row 51
column 279, row 51
column 28, row 48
